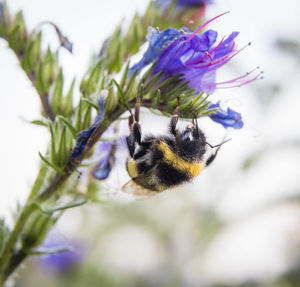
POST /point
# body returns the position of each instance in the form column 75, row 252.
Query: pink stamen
column 214, row 49
column 238, row 78
column 205, row 24
column 227, row 57
column 208, row 54
column 258, row 77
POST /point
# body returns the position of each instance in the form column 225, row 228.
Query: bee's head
column 192, row 142
column 191, row 133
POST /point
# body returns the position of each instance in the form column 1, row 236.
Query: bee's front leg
column 135, row 128
column 174, row 119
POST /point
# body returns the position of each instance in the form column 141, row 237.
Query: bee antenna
column 218, row 145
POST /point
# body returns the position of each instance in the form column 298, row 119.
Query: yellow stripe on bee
column 132, row 168
column 192, row 169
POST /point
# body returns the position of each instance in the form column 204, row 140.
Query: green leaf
column 62, row 150
column 38, row 183
column 49, row 251
column 53, row 143
column 50, row 164
column 60, row 208
column 156, row 99
column 39, row 123
column 57, row 95
column 69, row 126
column 4, row 233
column 68, row 101
column 78, row 116
column 87, row 117
column 90, row 103
column 120, row 93
column 124, row 76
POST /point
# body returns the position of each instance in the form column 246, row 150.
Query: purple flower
column 62, row 261
column 108, row 151
column 158, row 41
column 163, row 4
column 193, row 2
column 1, row 13
column 228, row 118
column 196, row 58
column 84, row 136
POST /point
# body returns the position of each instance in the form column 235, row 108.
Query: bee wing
column 139, row 192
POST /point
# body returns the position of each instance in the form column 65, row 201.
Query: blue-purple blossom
column 193, row 2
column 163, row 4
column 62, row 261
column 1, row 13
column 158, row 41
column 197, row 58
column 227, row 118
column 84, row 136
column 108, row 150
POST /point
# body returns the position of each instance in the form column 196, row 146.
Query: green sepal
column 69, row 126
column 78, row 116
column 35, row 230
column 87, row 117
column 124, row 75
column 48, row 251
column 4, row 233
column 39, row 123
column 52, row 143
column 31, row 56
column 90, row 103
column 68, row 101
column 50, row 211
column 57, row 95
column 50, row 164
column 62, row 149
column 121, row 95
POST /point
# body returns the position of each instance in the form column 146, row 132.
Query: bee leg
column 211, row 158
column 174, row 119
column 135, row 129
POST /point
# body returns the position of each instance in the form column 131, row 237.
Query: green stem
column 9, row 249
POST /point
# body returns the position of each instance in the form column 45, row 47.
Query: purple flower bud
column 108, row 149
column 84, row 136
column 228, row 118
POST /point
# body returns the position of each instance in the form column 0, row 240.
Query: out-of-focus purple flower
column 62, row 261
column 109, row 150
column 227, row 118
column 1, row 13
column 158, row 41
column 84, row 136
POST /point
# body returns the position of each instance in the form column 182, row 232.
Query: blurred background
column 237, row 224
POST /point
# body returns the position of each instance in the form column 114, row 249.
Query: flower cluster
column 195, row 57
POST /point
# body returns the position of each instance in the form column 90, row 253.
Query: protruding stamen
column 238, row 78
column 205, row 24
column 258, row 77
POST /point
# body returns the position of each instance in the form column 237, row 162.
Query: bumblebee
column 160, row 163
